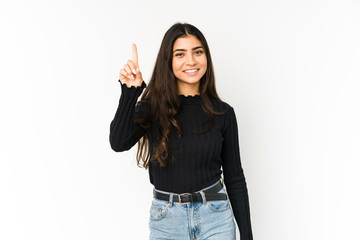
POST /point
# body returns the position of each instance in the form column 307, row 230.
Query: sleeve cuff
column 131, row 92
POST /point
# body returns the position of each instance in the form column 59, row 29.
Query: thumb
column 138, row 74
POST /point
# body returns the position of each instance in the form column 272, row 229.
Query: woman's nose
column 190, row 59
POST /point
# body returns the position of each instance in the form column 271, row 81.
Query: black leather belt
column 210, row 194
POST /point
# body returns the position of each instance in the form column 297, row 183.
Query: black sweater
column 199, row 157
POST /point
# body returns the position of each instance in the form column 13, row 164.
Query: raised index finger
column 134, row 54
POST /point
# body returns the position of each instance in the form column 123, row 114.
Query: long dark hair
column 162, row 95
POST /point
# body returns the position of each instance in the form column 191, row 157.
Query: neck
column 189, row 94
column 188, row 89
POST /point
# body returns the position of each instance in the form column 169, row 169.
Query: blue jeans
column 206, row 220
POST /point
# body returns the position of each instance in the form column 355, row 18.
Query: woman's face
column 189, row 54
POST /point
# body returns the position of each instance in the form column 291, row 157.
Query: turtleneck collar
column 189, row 99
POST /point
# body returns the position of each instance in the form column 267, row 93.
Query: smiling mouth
column 192, row 70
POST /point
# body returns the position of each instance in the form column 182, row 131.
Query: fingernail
column 134, row 71
column 132, row 77
column 138, row 69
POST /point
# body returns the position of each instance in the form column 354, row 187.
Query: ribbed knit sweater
column 199, row 157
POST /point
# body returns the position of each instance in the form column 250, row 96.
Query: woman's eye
column 197, row 52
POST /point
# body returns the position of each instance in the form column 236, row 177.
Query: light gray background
column 290, row 69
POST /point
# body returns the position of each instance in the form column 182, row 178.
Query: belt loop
column 171, row 199
column 203, row 196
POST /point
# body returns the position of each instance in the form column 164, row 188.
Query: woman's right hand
column 130, row 74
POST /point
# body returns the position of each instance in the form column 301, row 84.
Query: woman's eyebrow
column 186, row 50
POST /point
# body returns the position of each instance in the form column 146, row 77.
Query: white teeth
column 194, row 70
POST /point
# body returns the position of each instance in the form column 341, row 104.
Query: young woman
column 186, row 134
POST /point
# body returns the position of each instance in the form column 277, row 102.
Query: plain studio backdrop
column 290, row 69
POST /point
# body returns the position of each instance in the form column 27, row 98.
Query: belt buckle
column 184, row 194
